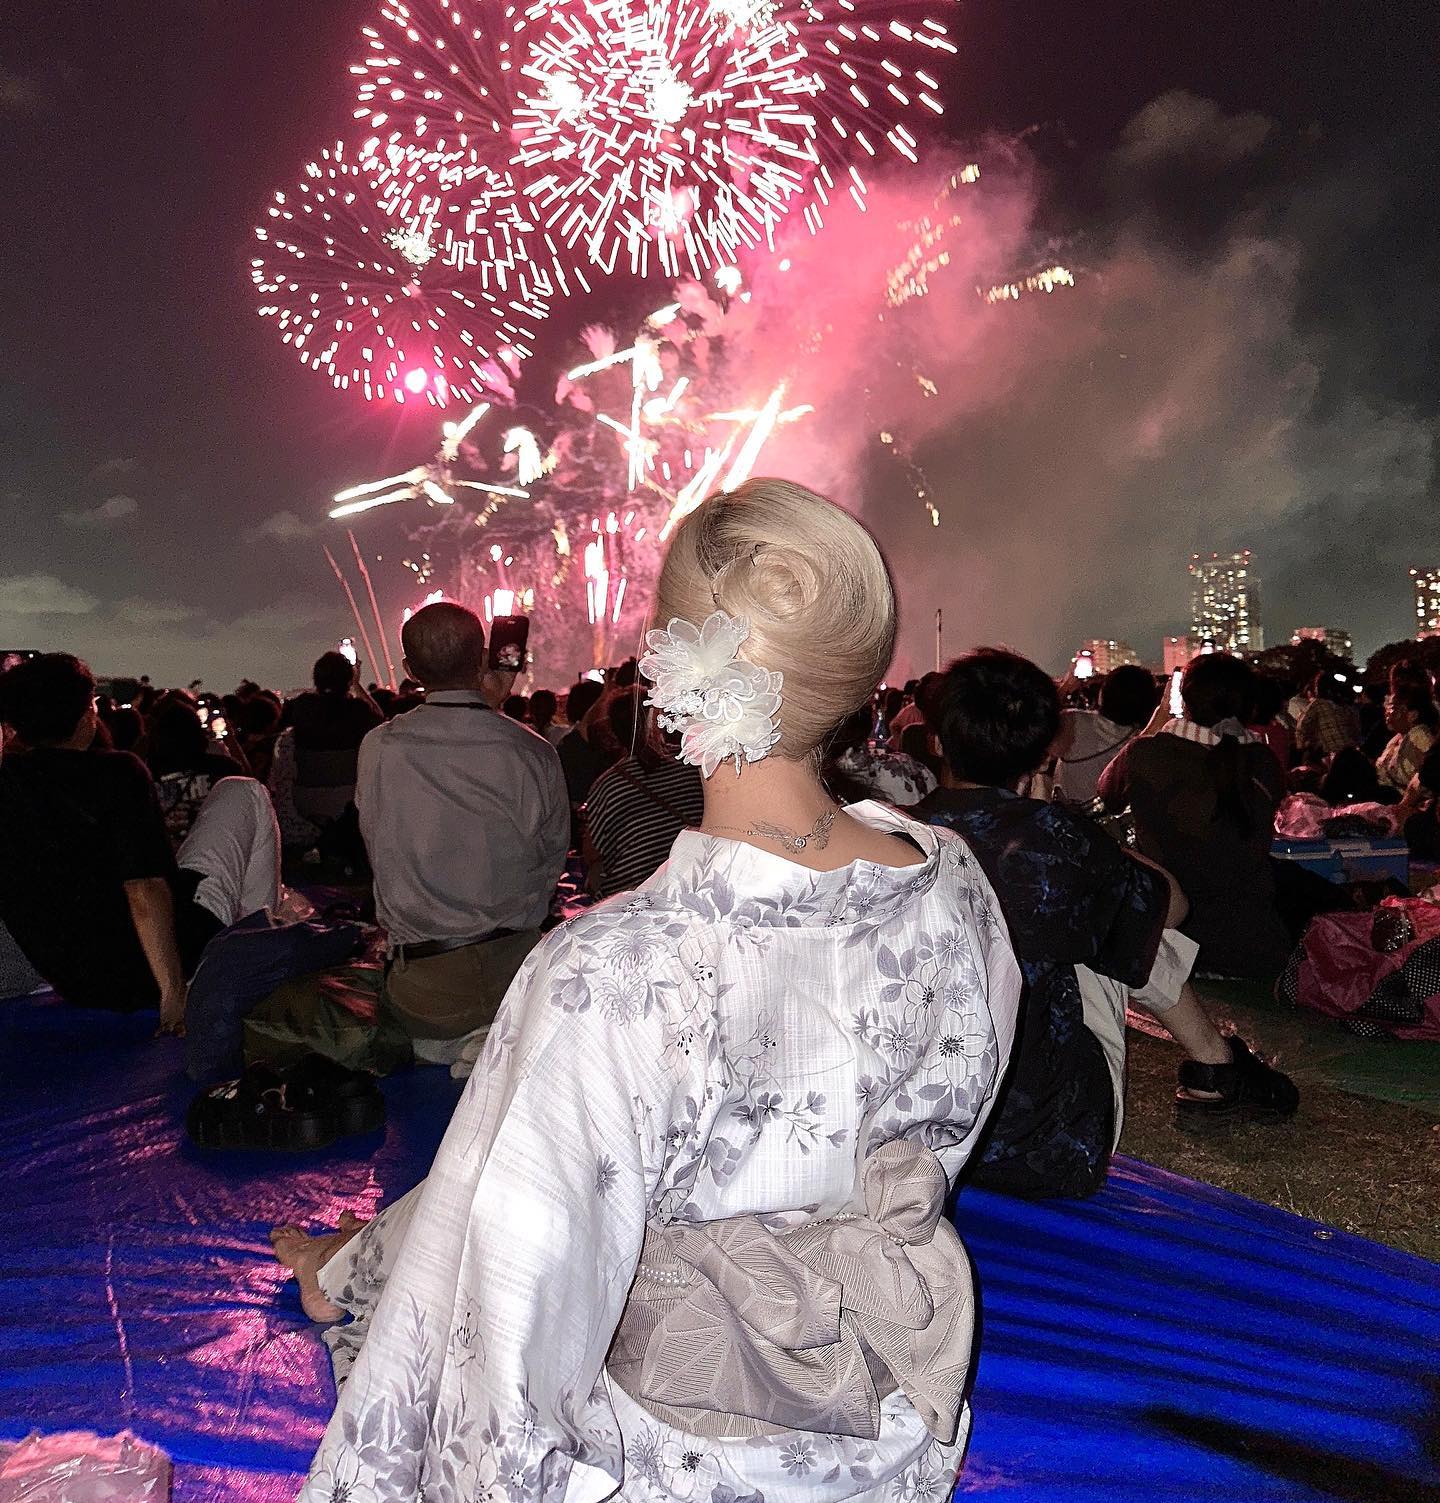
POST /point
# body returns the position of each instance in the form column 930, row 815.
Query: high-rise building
column 1178, row 652
column 1427, row 599
column 1108, row 655
column 1333, row 639
column 1225, row 603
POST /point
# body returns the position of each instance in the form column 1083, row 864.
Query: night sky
column 165, row 463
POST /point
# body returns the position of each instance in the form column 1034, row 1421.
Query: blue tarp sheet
column 1164, row 1340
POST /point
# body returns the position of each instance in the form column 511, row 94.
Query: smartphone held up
column 509, row 639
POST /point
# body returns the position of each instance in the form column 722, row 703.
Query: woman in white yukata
column 684, row 1237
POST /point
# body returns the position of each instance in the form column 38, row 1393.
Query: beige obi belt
column 734, row 1330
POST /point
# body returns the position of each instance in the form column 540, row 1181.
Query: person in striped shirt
column 638, row 807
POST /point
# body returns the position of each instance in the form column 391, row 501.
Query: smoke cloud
column 1080, row 445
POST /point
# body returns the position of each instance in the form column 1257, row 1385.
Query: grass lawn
column 1362, row 1153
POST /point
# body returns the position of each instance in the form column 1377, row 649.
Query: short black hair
column 1216, row 687
column 1418, row 699
column 581, row 698
column 259, row 715
column 515, row 706
column 1267, row 698
column 177, row 740
column 333, row 673
column 997, row 714
column 444, row 645
column 126, row 727
column 927, row 696
column 1129, row 694
column 45, row 698
column 543, row 705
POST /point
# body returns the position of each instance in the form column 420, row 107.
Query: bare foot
column 305, row 1256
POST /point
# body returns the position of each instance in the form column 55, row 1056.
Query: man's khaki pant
column 447, row 996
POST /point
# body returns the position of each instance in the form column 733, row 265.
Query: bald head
column 444, row 646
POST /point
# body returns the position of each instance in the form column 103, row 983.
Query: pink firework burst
column 683, row 131
column 874, row 66
column 473, row 215
column 440, row 64
column 399, row 291
column 665, row 127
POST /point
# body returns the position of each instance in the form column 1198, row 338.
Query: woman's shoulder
column 647, row 907
column 607, row 978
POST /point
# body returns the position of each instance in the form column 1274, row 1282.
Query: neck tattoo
column 817, row 835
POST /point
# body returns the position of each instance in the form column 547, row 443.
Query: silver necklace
column 818, row 834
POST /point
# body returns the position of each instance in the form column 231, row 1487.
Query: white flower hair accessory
column 722, row 706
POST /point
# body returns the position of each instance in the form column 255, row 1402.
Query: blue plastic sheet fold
column 1164, row 1340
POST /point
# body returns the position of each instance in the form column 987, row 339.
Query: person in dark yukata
column 1093, row 925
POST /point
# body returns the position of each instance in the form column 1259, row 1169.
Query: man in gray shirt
column 467, row 823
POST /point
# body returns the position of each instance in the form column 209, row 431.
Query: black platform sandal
column 351, row 1095
column 258, row 1112
column 1245, row 1090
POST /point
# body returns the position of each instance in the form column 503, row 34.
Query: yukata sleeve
column 1110, row 909
column 482, row 1375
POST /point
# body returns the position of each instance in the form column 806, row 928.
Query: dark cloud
column 110, row 469
column 142, row 612
column 283, row 527
column 1180, row 127
column 110, row 511
column 27, row 595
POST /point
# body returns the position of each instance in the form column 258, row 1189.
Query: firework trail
column 449, row 201
column 1040, row 281
column 637, row 435
column 863, row 94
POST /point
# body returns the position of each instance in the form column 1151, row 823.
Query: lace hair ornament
column 721, row 706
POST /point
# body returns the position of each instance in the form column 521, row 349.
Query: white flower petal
column 724, row 707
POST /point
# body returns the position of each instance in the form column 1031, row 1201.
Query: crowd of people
column 842, row 946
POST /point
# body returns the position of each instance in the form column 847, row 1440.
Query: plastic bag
column 1306, row 816
column 1356, row 966
column 77, row 1466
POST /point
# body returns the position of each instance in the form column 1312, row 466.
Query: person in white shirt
column 467, row 823
column 1413, row 720
column 1090, row 740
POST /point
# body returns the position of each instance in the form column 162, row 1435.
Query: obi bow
column 734, row 1330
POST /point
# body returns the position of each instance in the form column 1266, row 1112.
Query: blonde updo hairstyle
column 814, row 586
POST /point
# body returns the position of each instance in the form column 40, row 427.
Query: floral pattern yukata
column 733, row 1038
